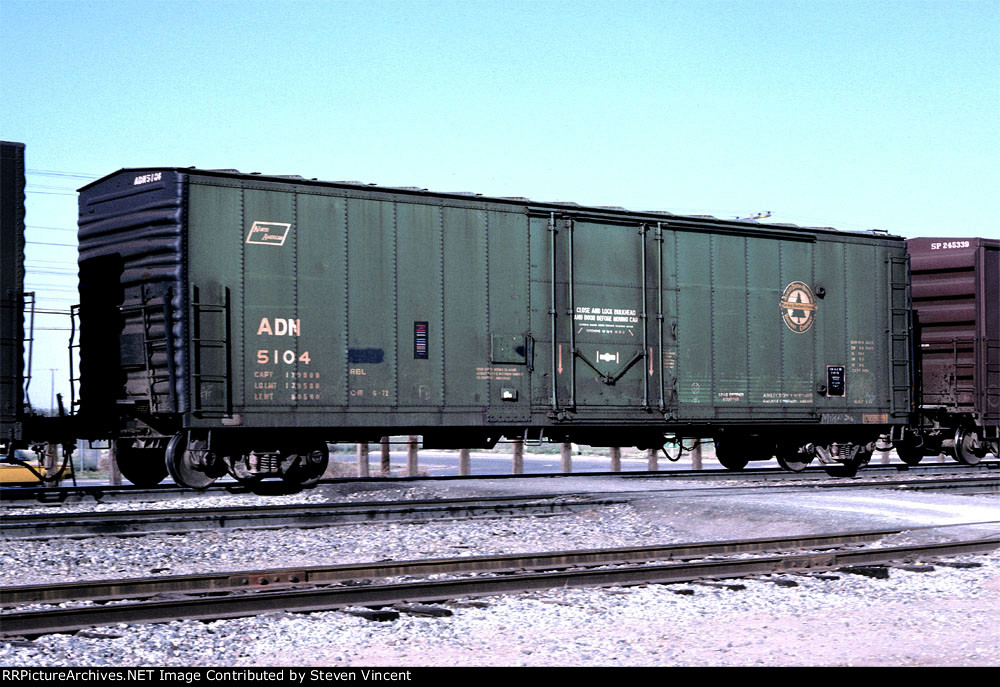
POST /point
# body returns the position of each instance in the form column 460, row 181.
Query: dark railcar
column 235, row 322
column 11, row 292
column 956, row 305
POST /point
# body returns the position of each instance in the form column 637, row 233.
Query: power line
column 54, row 266
column 57, row 173
column 39, row 226
column 56, row 188
column 42, row 289
column 44, row 243
column 52, row 271
column 51, row 288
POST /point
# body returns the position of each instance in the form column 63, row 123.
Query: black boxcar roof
column 607, row 213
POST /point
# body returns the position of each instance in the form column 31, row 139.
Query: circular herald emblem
column 798, row 307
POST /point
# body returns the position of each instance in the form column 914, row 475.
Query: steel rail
column 35, row 623
column 139, row 522
column 149, row 586
column 959, row 485
column 298, row 515
column 58, row 495
column 103, row 492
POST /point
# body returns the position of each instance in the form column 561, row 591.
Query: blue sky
column 856, row 115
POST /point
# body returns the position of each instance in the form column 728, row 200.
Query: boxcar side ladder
column 900, row 329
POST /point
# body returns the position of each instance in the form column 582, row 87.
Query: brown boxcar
column 956, row 309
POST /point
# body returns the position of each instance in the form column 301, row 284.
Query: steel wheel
column 728, row 456
column 141, row 461
column 969, row 449
column 791, row 457
column 908, row 453
column 792, row 461
column 183, row 461
column 309, row 468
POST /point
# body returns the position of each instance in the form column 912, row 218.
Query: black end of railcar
column 131, row 236
column 11, row 291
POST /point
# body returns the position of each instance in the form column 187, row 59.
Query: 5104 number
column 273, row 357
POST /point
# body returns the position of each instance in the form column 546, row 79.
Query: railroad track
column 245, row 593
column 104, row 493
column 179, row 520
column 956, row 484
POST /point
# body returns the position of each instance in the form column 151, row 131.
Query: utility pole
column 52, row 393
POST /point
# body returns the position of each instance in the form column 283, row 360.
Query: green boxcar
column 260, row 317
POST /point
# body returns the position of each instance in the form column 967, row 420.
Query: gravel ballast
column 948, row 616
